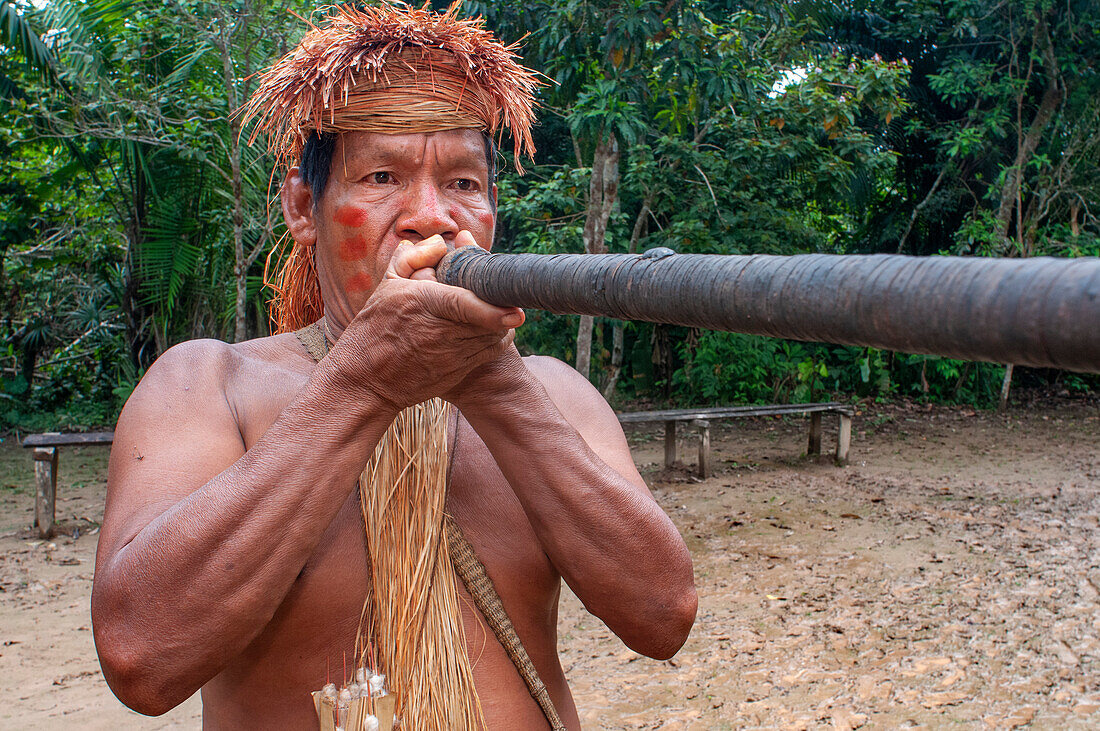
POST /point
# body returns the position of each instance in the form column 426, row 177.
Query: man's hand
column 488, row 381
column 416, row 338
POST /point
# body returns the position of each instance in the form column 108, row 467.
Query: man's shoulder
column 553, row 373
column 207, row 359
column 205, row 354
column 573, row 394
column 212, row 369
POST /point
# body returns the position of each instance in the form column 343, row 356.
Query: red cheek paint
column 360, row 282
column 487, row 220
column 353, row 248
column 350, row 216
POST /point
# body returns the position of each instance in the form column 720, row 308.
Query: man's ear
column 297, row 202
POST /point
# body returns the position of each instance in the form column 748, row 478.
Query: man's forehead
column 449, row 147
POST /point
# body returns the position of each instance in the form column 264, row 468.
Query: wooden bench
column 701, row 418
column 46, row 448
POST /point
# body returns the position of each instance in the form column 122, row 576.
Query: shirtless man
column 231, row 557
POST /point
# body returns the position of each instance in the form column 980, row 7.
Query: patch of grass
column 16, row 468
column 78, row 467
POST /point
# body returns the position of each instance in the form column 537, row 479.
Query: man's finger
column 410, row 257
column 461, row 305
column 465, row 238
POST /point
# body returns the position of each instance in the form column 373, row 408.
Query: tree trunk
column 240, row 269
column 131, row 307
column 1006, row 385
column 616, row 360
column 584, row 345
column 603, row 192
column 617, row 328
column 1026, row 144
column 920, row 206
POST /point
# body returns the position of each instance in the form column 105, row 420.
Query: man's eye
column 466, row 184
column 381, row 178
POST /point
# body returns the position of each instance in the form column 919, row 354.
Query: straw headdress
column 393, row 69
column 389, row 69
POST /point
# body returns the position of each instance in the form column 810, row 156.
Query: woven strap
column 313, row 338
column 480, row 586
column 472, row 572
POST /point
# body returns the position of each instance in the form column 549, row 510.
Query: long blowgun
column 1040, row 312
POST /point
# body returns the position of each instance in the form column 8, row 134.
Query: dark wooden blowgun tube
column 1039, row 312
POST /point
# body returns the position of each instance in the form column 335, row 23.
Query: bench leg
column 670, row 443
column 45, row 500
column 814, row 446
column 843, row 438
column 704, row 448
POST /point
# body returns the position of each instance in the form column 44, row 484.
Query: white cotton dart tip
column 342, row 708
column 378, row 685
column 361, row 676
column 329, row 691
column 370, row 723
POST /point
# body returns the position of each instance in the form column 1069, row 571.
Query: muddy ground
column 948, row 576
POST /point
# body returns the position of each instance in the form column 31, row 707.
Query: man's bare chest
column 490, row 516
column 332, row 585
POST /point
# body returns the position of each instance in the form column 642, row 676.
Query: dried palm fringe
column 393, row 69
column 411, row 617
column 297, row 301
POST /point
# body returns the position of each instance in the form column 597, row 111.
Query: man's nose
column 426, row 213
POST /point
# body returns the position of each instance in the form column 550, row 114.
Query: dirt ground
column 948, row 576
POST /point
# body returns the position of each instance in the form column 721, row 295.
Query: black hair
column 317, row 162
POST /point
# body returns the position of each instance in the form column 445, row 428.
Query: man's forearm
column 227, row 554
column 611, row 542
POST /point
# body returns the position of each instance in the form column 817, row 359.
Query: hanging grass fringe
column 411, row 617
column 297, row 301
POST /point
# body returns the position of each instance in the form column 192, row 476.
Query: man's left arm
column 563, row 452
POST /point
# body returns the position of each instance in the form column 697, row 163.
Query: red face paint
column 487, row 220
column 353, row 248
column 360, row 282
column 350, row 216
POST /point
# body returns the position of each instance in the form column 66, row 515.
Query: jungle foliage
column 133, row 217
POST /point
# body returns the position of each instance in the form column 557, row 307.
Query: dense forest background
column 133, row 215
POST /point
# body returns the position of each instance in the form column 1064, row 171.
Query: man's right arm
column 201, row 540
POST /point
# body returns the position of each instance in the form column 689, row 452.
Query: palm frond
column 17, row 32
column 87, row 31
column 184, row 67
column 172, row 241
column 10, row 90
